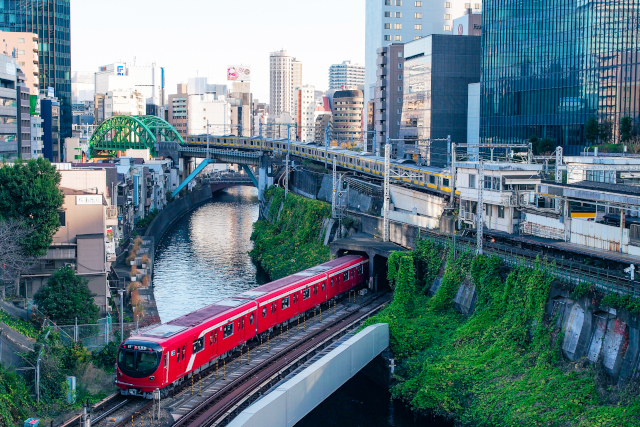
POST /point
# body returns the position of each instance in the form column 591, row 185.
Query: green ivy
column 288, row 244
column 503, row 365
column 24, row 327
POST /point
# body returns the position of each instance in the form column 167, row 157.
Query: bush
column 67, row 296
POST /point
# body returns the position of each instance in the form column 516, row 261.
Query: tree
column 626, row 126
column 591, row 130
column 605, row 131
column 29, row 193
column 67, row 296
column 13, row 260
column 544, row 145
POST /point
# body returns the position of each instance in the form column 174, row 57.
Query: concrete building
column 388, row 94
column 51, row 143
column 23, row 47
column 36, row 136
column 79, row 243
column 240, row 100
column 389, row 21
column 305, row 107
column 178, row 111
column 83, row 87
column 438, row 70
column 124, row 103
column 205, row 86
column 285, row 74
column 346, row 76
column 469, row 24
column 208, row 108
column 9, row 148
column 348, row 106
column 23, row 115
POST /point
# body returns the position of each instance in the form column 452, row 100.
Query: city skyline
column 132, row 36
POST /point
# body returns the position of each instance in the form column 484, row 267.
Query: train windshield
column 138, row 361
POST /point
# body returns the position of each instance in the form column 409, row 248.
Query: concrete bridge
column 221, row 181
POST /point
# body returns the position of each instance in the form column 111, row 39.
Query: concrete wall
column 290, row 402
column 176, row 209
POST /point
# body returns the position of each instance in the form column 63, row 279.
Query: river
column 204, row 258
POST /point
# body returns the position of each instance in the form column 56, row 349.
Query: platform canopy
column 120, row 133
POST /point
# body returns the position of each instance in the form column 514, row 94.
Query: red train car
column 165, row 356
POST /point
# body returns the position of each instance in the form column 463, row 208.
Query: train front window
column 146, row 360
column 138, row 363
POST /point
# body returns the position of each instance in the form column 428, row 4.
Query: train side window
column 306, row 293
column 332, row 282
column 215, row 337
column 432, row 179
column 323, row 285
column 211, row 339
column 228, row 330
column 251, row 319
column 178, row 357
column 241, row 323
column 198, row 345
column 345, row 276
column 183, row 352
column 264, row 311
column 360, row 269
column 166, row 360
column 285, row 302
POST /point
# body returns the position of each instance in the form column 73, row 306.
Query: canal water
column 204, row 258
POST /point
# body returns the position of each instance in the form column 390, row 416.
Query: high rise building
column 388, row 95
column 305, row 107
column 346, row 76
column 347, row 116
column 389, row 21
column 24, row 48
column 9, row 91
column 285, row 75
column 580, row 59
column 178, row 110
column 50, row 20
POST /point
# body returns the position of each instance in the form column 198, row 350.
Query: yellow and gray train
column 427, row 177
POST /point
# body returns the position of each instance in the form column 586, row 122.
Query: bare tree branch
column 12, row 257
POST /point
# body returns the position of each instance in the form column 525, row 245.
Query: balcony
column 60, row 254
column 382, row 60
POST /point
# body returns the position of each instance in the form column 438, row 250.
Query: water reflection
column 203, row 257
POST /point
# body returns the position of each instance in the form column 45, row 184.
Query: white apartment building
column 285, row 75
column 211, row 109
column 124, row 103
column 305, row 107
column 36, row 137
column 146, row 80
column 346, row 75
column 83, row 86
column 389, row 21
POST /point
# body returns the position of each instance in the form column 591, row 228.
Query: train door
column 241, row 329
column 166, row 367
column 212, row 337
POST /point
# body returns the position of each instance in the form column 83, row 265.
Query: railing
column 604, row 280
column 533, row 229
column 468, row 216
column 112, row 212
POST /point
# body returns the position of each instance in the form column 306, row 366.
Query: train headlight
column 151, row 378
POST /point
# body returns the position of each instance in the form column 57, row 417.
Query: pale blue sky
column 189, row 36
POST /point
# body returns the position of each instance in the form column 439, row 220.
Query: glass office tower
column 549, row 65
column 49, row 19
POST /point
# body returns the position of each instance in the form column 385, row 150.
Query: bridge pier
column 264, row 179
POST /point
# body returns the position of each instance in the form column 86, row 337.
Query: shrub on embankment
column 287, row 241
column 503, row 365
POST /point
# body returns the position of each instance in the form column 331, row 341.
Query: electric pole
column 480, row 208
column 387, row 161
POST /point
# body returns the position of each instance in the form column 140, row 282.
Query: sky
column 203, row 37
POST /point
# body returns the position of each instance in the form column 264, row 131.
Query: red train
column 165, row 356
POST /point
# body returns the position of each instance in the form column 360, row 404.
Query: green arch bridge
column 119, row 133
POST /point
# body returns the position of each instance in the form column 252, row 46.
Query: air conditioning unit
column 70, row 265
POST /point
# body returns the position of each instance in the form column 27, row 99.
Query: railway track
column 101, row 410
column 223, row 404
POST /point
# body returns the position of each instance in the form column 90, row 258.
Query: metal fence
column 603, row 279
column 95, row 336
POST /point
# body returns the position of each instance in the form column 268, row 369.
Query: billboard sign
column 120, row 70
column 239, row 73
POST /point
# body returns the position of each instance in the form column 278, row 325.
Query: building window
column 447, row 27
column 62, row 216
column 21, row 52
column 417, row 37
column 418, row 15
column 20, row 40
column 398, row 26
column 399, row 110
column 399, row 76
column 477, row 6
column 418, row 27
column 399, row 66
column 387, row 26
column 387, row 38
column 399, row 100
column 500, row 211
column 398, row 14
column 387, row 2
column 398, row 38
column 447, row 16
column 387, row 15
column 472, row 181
column 399, row 54
column 418, row 4
column 487, row 210
column 398, row 2
column 447, row 5
column 399, row 88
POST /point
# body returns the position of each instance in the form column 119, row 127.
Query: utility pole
column 286, row 177
column 480, row 208
column 387, row 171
column 121, row 292
column 335, row 189
column 326, row 145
